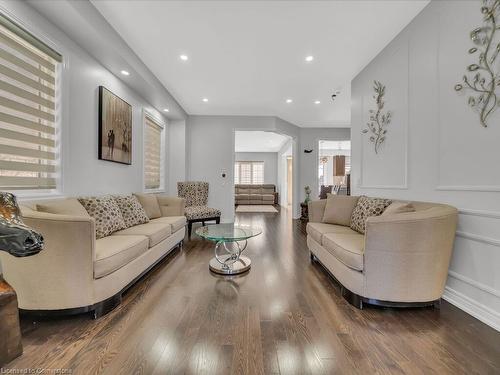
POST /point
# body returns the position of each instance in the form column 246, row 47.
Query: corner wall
column 436, row 149
column 82, row 172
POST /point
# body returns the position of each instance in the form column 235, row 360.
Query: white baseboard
column 472, row 307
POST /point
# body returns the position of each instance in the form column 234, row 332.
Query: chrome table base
column 229, row 261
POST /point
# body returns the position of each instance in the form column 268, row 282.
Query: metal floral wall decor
column 483, row 80
column 378, row 119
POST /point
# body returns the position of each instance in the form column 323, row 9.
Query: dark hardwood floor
column 286, row 316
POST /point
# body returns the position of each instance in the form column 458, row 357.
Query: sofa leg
column 437, row 304
column 190, row 228
column 312, row 256
column 104, row 307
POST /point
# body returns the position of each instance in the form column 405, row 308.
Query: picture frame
column 115, row 128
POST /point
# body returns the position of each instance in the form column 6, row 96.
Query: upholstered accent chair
column 196, row 195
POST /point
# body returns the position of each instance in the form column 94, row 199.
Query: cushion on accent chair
column 398, row 208
column 132, row 211
column 201, row 212
column 339, row 208
column 150, row 204
column 69, row 206
column 107, row 214
column 365, row 208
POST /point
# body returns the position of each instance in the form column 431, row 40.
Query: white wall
column 210, row 144
column 177, row 152
column 436, row 149
column 270, row 160
column 282, row 187
column 82, row 172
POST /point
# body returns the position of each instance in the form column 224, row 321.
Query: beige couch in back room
column 255, row 194
column 401, row 260
column 76, row 273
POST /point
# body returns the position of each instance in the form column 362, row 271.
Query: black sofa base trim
column 98, row 309
column 359, row 301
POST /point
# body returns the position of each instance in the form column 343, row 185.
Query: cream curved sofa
column 76, row 273
column 401, row 260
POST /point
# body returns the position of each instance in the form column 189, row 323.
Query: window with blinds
column 249, row 172
column 152, row 154
column 28, row 82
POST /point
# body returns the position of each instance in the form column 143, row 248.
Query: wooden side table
column 10, row 331
column 304, row 211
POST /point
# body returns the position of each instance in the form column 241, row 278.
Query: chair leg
column 190, row 227
column 203, row 223
column 217, row 220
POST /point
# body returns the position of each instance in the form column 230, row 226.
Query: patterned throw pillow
column 132, row 211
column 107, row 214
column 365, row 208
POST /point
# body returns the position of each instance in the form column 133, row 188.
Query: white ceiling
column 258, row 141
column 247, row 57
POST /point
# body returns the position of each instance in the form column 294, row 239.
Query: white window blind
column 28, row 76
column 152, row 154
column 249, row 172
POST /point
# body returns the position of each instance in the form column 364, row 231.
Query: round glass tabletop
column 228, row 232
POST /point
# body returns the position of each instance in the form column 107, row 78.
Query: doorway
column 289, row 180
column 334, row 167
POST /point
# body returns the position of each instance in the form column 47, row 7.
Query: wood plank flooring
column 286, row 316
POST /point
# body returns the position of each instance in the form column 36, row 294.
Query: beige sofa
column 255, row 194
column 401, row 260
column 76, row 273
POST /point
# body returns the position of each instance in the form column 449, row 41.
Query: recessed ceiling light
column 125, row 73
column 317, row 102
column 289, row 100
column 184, row 57
column 205, row 100
column 166, row 110
column 309, row 58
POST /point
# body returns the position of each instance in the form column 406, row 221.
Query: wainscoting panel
column 448, row 157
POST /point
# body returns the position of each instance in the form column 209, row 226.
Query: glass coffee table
column 228, row 259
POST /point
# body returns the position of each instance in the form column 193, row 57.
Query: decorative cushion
column 69, row 206
column 150, row 204
column 107, row 214
column 399, row 208
column 365, row 208
column 201, row 212
column 132, row 211
column 338, row 209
